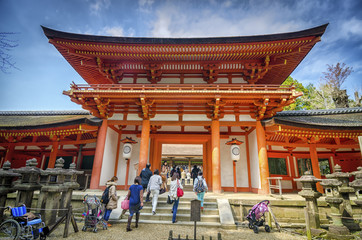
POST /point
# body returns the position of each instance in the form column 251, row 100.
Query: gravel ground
column 155, row 232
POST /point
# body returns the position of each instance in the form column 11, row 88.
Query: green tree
column 303, row 102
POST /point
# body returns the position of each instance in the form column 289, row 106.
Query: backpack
column 105, row 196
column 200, row 186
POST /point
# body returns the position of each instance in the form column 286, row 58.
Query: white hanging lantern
column 127, row 151
column 235, row 152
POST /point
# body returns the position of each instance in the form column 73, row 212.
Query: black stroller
column 93, row 213
column 256, row 216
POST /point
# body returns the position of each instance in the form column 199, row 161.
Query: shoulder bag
column 180, row 192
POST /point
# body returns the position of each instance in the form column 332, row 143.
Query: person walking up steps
column 175, row 183
column 145, row 176
column 135, row 196
column 154, row 186
column 113, row 200
column 200, row 188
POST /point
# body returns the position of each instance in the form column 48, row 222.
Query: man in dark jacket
column 194, row 173
column 145, row 175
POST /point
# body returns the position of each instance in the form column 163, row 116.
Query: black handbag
column 169, row 201
column 162, row 190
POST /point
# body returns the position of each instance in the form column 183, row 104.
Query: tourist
column 183, row 177
column 145, row 176
column 135, row 196
column 175, row 183
column 173, row 170
column 194, row 173
column 154, row 186
column 164, row 185
column 164, row 169
column 113, row 200
column 200, row 188
column 188, row 177
column 178, row 172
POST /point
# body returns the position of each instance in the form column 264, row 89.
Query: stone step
column 180, row 217
column 188, row 197
column 169, row 222
column 162, row 203
column 182, row 210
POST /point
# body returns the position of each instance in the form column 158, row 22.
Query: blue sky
column 44, row 73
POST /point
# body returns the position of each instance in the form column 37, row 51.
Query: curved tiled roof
column 338, row 119
column 19, row 120
column 316, row 31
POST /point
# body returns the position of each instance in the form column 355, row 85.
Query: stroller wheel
column 84, row 228
column 256, row 229
column 251, row 226
column 267, row 228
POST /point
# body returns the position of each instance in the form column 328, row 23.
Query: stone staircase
column 209, row 216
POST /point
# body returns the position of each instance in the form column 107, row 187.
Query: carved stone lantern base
column 339, row 232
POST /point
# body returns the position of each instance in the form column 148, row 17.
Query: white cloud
column 145, row 6
column 113, row 31
column 98, row 5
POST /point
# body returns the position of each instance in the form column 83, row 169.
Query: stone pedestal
column 7, row 176
column 310, row 193
column 28, row 184
column 49, row 197
column 337, row 230
column 357, row 186
column 344, row 191
column 71, row 184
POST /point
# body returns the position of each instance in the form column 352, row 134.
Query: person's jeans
column 174, row 209
column 107, row 213
column 155, row 194
column 200, row 196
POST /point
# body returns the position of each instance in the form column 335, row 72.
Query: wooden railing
column 181, row 87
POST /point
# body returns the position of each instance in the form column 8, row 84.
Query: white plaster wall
column 133, row 117
column 126, row 80
column 195, row 117
column 238, row 80
column 194, row 80
column 222, row 80
column 19, row 147
column 169, row 128
column 122, row 163
column 116, row 116
column 227, row 174
column 254, row 160
column 142, row 81
column 90, row 145
column 246, row 118
column 169, row 80
column 228, row 118
column 109, row 157
column 69, row 147
column 165, row 117
column 195, row 129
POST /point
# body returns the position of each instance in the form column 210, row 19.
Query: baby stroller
column 93, row 213
column 256, row 216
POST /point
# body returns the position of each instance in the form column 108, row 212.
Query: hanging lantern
column 235, row 153
column 127, row 147
column 234, row 149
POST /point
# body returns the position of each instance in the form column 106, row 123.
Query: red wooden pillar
column 53, row 154
column 98, row 156
column 234, row 171
column 117, row 154
column 9, row 152
column 263, row 158
column 248, row 159
column 127, row 174
column 145, row 140
column 315, row 164
column 215, row 153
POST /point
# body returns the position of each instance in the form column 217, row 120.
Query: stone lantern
column 71, row 184
column 334, row 199
column 357, row 185
column 310, row 193
column 7, row 176
column 28, row 184
column 344, row 191
column 49, row 197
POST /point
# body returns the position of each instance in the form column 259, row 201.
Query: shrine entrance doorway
column 200, row 144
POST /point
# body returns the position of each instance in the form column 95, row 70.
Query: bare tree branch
column 6, row 45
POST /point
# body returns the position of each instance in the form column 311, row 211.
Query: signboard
column 195, row 210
